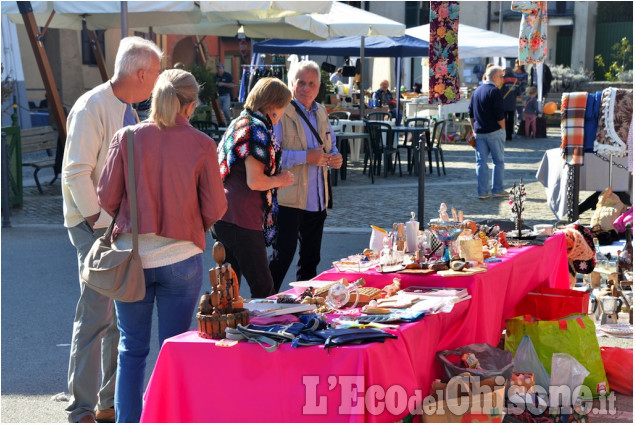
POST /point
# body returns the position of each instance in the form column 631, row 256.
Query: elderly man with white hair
column 94, row 119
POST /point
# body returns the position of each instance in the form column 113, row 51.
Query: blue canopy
column 388, row 47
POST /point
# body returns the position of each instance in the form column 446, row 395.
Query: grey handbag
column 118, row 274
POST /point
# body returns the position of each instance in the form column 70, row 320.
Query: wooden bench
column 39, row 139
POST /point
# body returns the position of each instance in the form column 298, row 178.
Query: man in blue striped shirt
column 308, row 150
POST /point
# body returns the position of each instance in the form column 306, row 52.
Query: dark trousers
column 509, row 124
column 293, row 225
column 246, row 252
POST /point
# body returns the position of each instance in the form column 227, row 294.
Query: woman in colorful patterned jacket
column 249, row 157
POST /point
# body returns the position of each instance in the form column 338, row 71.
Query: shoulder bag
column 319, row 139
column 118, row 274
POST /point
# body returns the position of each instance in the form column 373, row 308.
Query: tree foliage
column 622, row 60
column 207, row 81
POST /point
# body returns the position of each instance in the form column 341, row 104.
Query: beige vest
column 294, row 138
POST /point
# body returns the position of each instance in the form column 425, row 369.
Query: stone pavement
column 358, row 203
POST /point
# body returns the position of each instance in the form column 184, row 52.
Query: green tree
column 622, row 59
column 207, row 80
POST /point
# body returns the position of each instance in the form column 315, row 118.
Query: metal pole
column 422, row 177
column 124, row 19
column 611, row 170
column 500, row 28
column 362, row 90
column 398, row 93
column 6, row 208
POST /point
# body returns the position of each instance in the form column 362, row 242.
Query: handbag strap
column 313, row 130
column 133, row 191
column 510, row 89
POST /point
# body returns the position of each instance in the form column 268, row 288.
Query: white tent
column 475, row 42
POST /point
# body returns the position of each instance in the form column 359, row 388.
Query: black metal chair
column 413, row 146
column 207, row 127
column 376, row 130
column 378, row 116
column 434, row 145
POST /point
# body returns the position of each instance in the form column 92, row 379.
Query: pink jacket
column 180, row 193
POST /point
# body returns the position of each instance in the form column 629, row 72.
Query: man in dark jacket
column 488, row 124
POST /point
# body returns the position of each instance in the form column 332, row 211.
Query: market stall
column 195, row 380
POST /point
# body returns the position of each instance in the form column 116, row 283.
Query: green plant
column 207, row 80
column 622, row 60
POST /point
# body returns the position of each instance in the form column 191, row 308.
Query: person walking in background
column 308, row 150
column 510, row 92
column 94, row 119
column 249, row 156
column 531, row 111
column 179, row 196
column 487, row 119
column 337, row 77
column 523, row 79
column 225, row 83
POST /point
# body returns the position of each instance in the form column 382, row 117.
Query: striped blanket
column 572, row 127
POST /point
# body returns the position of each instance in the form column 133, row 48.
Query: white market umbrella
column 475, row 42
column 218, row 11
column 106, row 14
column 143, row 14
column 341, row 20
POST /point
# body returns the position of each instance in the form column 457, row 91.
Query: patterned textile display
column 252, row 134
column 444, row 52
column 572, row 127
column 591, row 119
column 532, row 40
column 615, row 119
column 630, row 147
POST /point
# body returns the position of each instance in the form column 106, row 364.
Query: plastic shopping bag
column 574, row 335
column 492, row 361
column 566, row 370
column 618, row 363
column 526, row 360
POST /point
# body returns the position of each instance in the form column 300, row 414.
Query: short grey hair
column 492, row 71
column 135, row 53
column 302, row 66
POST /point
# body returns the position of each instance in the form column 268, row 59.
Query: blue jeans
column 493, row 143
column 176, row 288
column 224, row 103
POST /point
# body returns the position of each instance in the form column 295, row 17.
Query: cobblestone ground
column 358, row 203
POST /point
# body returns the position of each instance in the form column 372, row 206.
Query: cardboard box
column 465, row 398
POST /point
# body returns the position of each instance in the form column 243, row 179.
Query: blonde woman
column 179, row 196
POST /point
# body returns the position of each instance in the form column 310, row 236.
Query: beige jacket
column 91, row 124
column 294, row 138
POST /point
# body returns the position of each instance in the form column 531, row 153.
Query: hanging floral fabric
column 616, row 114
column 532, row 41
column 444, row 52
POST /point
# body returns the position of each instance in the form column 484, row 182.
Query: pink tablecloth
column 195, row 381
